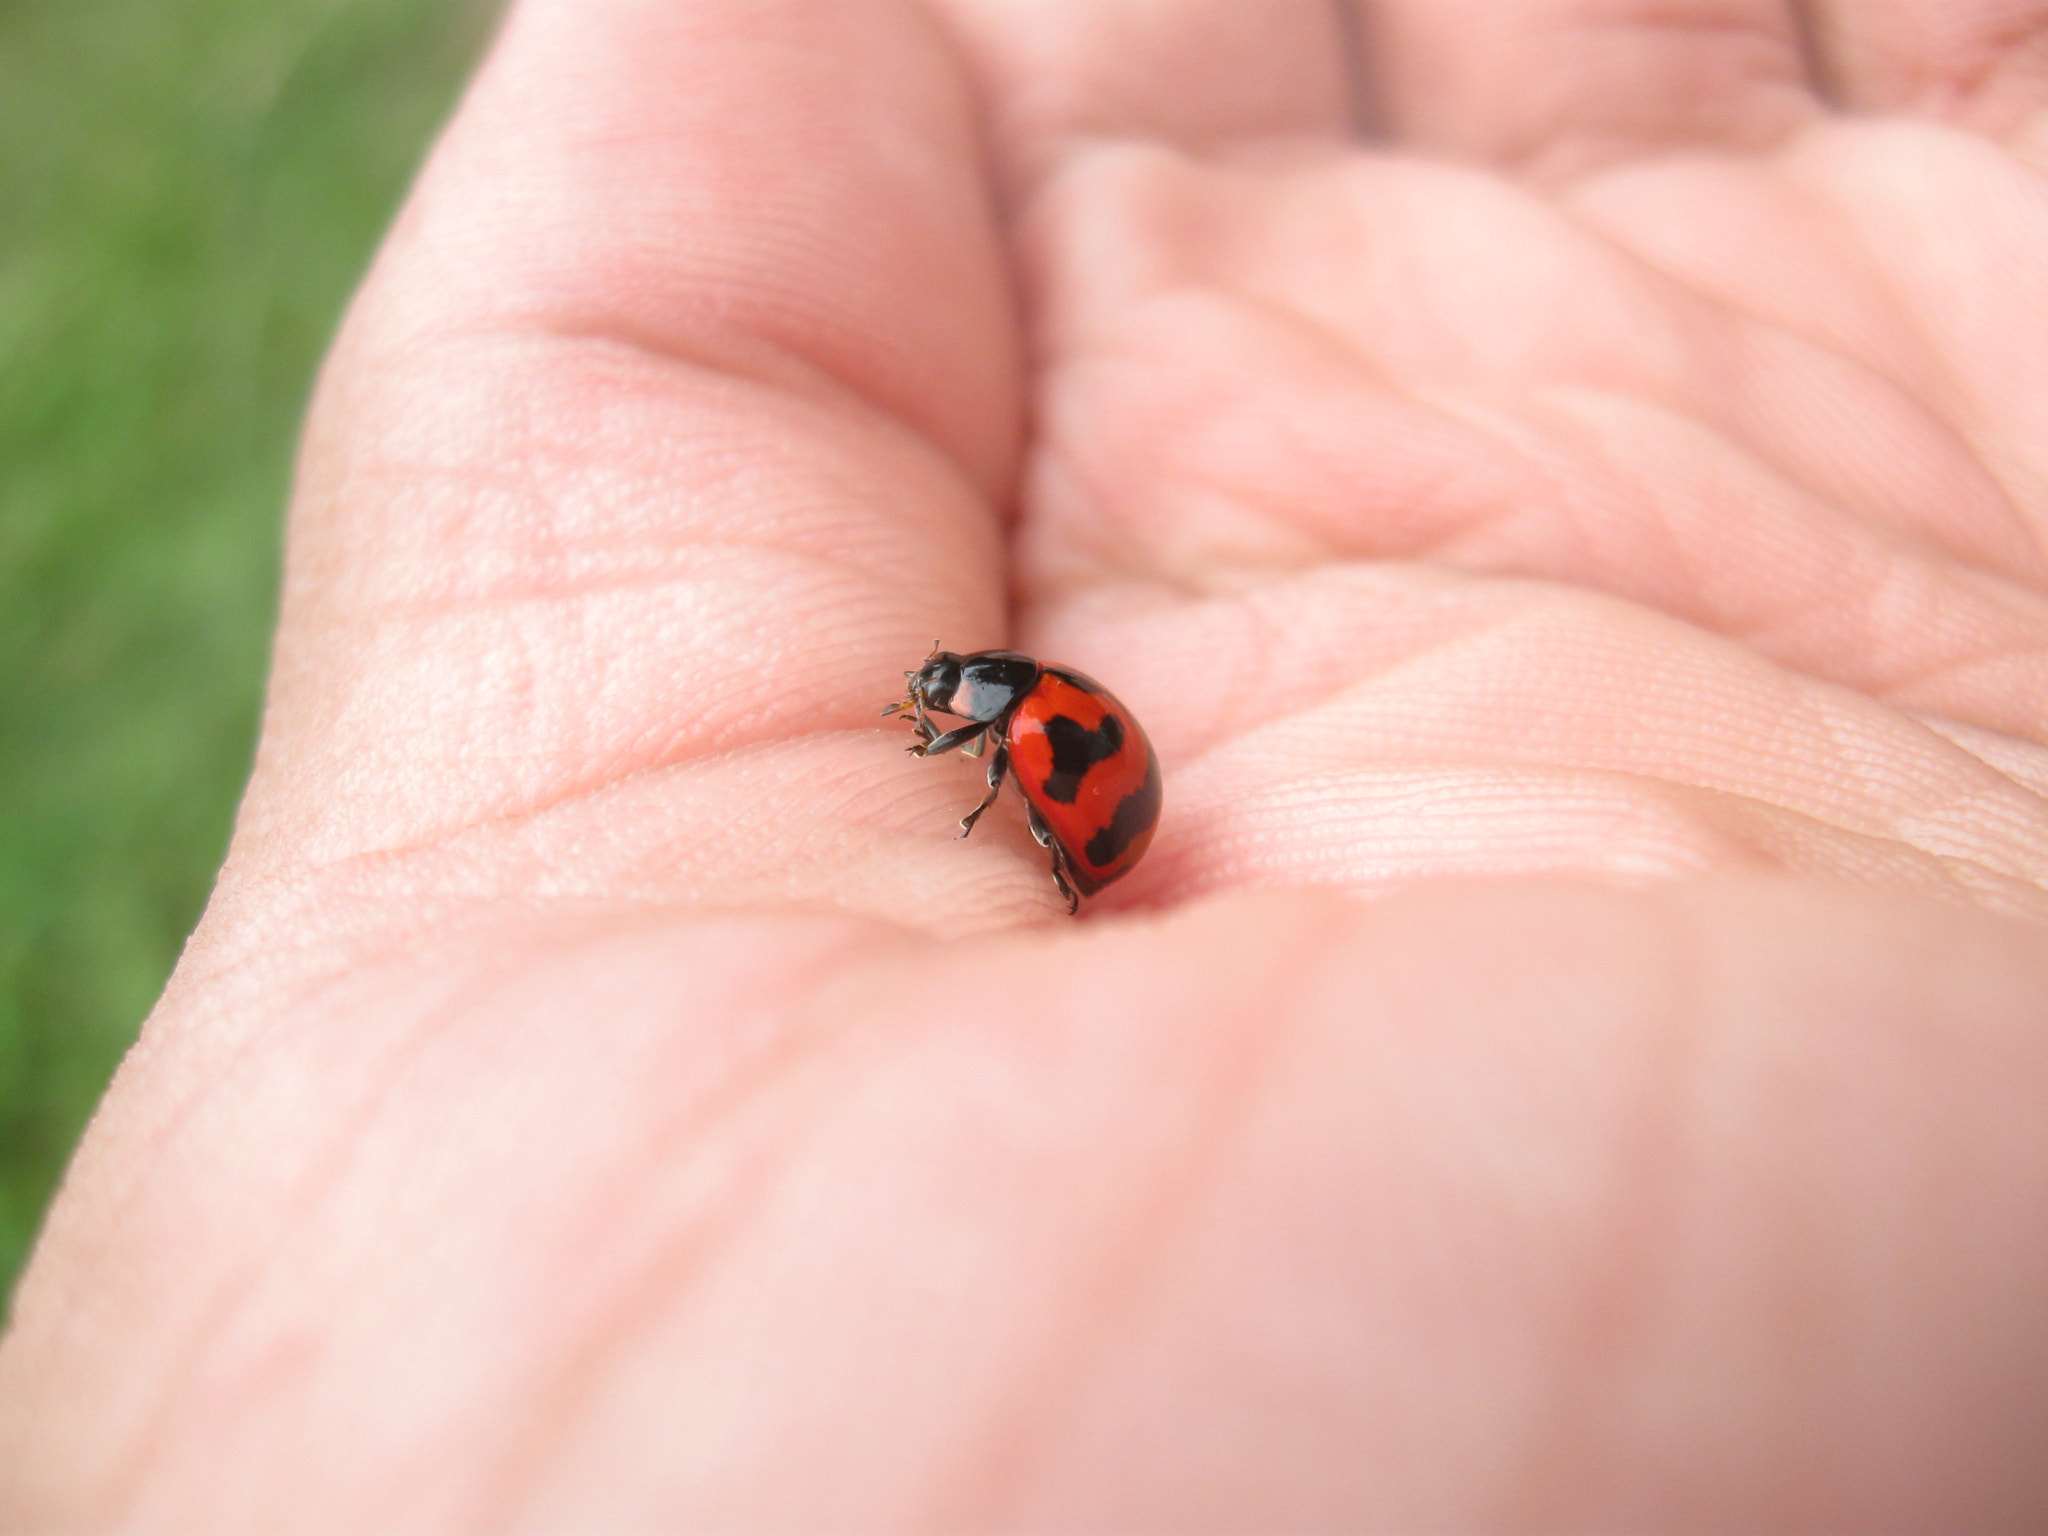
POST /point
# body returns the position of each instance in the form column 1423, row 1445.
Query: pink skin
column 1567, row 498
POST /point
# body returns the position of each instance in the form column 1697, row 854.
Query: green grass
column 188, row 191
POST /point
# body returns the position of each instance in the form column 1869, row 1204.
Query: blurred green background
column 189, row 189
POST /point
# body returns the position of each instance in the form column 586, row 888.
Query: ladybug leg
column 1046, row 840
column 933, row 745
column 998, row 765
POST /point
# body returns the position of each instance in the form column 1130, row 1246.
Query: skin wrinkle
column 2010, row 890
column 1541, row 615
column 2005, row 52
column 1809, row 34
column 2013, row 891
column 1795, row 156
column 1898, row 551
column 282, row 983
column 1632, row 854
column 1853, row 748
column 1038, row 125
column 1233, row 715
column 442, row 841
column 1001, row 188
column 1325, row 338
column 522, row 1469
column 1722, row 432
column 1608, row 117
column 1550, row 159
column 1930, row 75
column 2016, row 758
column 582, row 503
column 765, row 725
column 549, row 590
column 685, row 737
column 1886, row 790
column 576, row 473
column 1588, row 448
column 1791, row 1322
column 294, row 891
column 230, row 1291
column 576, row 1379
column 1538, row 467
column 1540, row 609
column 1936, row 360
column 482, row 987
column 1573, row 200
column 1608, row 238
column 1904, row 685
column 713, row 355
column 1745, row 443
column 1265, row 630
column 1627, row 1291
column 1740, row 440
column 1361, row 115
column 998, row 958
column 986, row 1487
column 804, row 378
column 1994, row 809
column 164, row 1033
column 496, row 872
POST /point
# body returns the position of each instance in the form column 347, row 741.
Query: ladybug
column 1088, row 775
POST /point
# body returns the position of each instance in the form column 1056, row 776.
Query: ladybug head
column 934, row 684
column 931, row 685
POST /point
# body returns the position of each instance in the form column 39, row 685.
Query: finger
column 1556, row 86
column 670, row 420
column 779, row 189
column 1982, row 64
column 1201, row 75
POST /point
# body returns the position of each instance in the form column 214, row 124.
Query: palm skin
column 604, row 1094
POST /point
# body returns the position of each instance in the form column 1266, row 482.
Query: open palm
column 1552, row 443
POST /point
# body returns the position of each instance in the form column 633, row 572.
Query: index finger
column 674, row 414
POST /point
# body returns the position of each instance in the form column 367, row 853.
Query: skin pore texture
column 1564, row 484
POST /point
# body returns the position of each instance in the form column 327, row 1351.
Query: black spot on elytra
column 1134, row 813
column 1076, row 749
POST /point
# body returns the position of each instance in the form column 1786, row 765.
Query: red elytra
column 1088, row 774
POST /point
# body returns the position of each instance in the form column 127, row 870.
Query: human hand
column 603, row 1093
